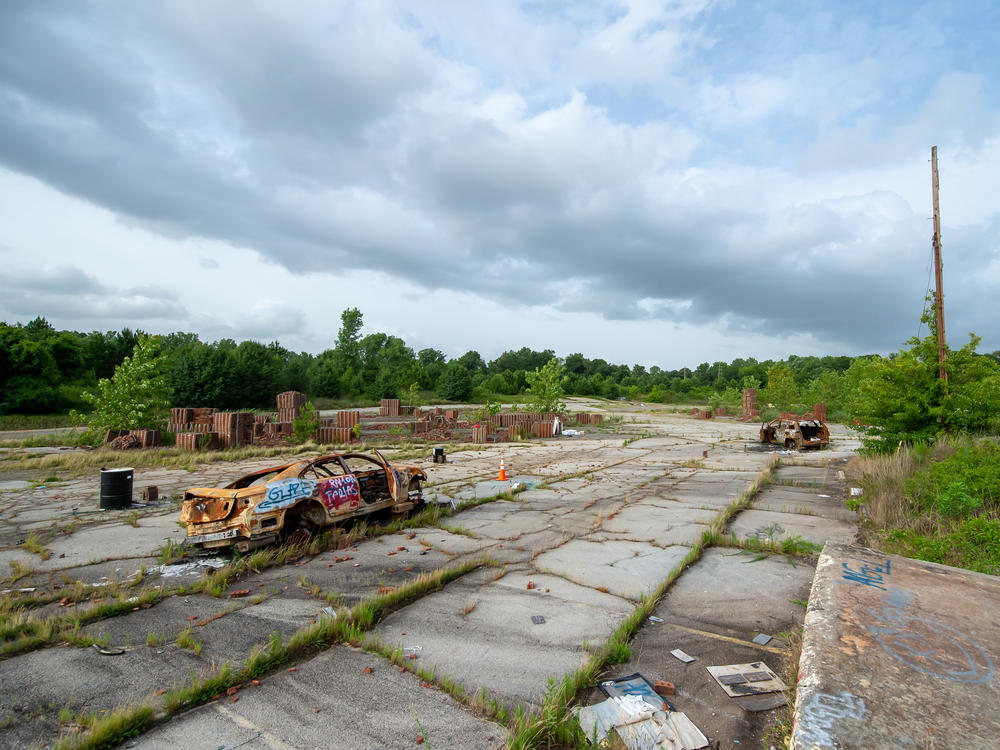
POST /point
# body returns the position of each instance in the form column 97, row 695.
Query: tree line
column 43, row 370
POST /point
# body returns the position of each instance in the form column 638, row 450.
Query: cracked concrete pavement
column 604, row 524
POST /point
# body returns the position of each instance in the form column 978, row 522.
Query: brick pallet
column 389, row 407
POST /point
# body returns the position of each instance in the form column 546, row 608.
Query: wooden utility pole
column 939, row 293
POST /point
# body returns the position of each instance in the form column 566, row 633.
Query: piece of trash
column 329, row 612
column 857, row 492
column 662, row 687
column 109, row 651
column 762, row 640
column 366, row 670
column 636, row 724
column 412, row 652
column 754, row 686
column 634, row 685
column 654, row 618
column 239, row 594
column 538, row 619
column 678, row 654
column 530, row 585
column 423, row 552
column 231, row 690
column 822, row 496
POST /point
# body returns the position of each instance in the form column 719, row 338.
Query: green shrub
column 966, row 482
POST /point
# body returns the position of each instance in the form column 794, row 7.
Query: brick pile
column 146, row 438
column 233, row 428
column 542, row 429
column 184, row 419
column 348, row 418
column 335, row 435
column 290, row 405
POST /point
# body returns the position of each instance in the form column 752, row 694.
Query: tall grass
column 939, row 503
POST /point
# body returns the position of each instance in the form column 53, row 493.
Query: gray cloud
column 356, row 139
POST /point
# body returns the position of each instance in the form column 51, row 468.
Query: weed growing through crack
column 33, row 543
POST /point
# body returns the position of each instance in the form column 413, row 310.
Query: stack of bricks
column 183, row 419
column 542, row 429
column 146, row 438
column 749, row 404
column 335, row 434
column 348, row 418
column 451, row 415
column 819, row 411
column 389, row 407
column 290, row 405
column 187, row 441
column 585, row 418
column 233, row 428
column 720, row 410
column 479, row 433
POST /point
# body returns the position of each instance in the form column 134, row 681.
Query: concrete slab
column 820, row 477
column 330, row 702
column 103, row 542
column 626, row 569
column 459, row 634
column 660, row 524
column 734, row 590
column 38, row 684
column 803, row 501
column 898, row 653
column 779, row 526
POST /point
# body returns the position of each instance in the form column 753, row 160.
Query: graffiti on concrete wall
column 820, row 713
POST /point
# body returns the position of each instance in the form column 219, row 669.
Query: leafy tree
column 903, row 399
column 455, row 384
column 472, row 362
column 307, row 423
column 781, row 389
column 547, row 388
column 136, row 396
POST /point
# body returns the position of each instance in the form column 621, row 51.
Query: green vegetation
column 306, row 424
column 939, row 503
column 547, row 388
column 135, row 397
column 902, row 399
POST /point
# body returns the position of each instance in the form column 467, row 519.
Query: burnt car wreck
column 292, row 501
column 798, row 433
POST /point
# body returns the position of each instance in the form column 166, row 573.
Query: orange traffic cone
column 503, row 474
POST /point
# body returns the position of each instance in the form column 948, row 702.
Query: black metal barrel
column 116, row 488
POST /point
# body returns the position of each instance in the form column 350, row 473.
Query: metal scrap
column 639, row 726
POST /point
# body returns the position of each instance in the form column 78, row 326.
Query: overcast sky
column 655, row 182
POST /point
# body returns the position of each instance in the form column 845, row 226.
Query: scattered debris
column 530, row 585
column 634, row 685
column 366, row 670
column 654, row 618
column 755, row 686
column 639, row 726
column 762, row 640
column 329, row 612
column 662, row 687
column 677, row 653
column 239, row 594
column 538, row 619
column 857, row 492
column 109, row 651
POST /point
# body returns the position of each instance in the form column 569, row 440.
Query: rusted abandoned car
column 799, row 433
column 290, row 502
